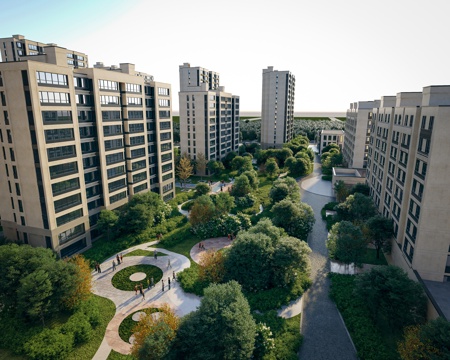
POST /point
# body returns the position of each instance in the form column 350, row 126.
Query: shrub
column 190, row 281
column 79, row 326
column 327, row 177
column 50, row 344
column 246, row 201
column 202, row 189
column 187, row 206
column 330, row 207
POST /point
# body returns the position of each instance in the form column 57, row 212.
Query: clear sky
column 340, row 51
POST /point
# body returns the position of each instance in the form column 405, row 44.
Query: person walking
column 148, row 284
column 99, row 269
column 118, row 259
column 162, row 285
column 135, row 289
column 168, row 281
column 96, row 266
column 168, row 264
column 174, row 278
column 142, row 293
column 121, row 257
column 155, row 254
column 152, row 282
column 114, row 265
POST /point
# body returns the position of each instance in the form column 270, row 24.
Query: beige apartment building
column 327, row 137
column 209, row 116
column 76, row 141
column 357, row 133
column 407, row 171
column 277, row 109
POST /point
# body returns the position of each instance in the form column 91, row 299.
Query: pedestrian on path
column 118, row 259
column 99, row 269
column 96, row 266
column 168, row 279
column 174, row 278
column 121, row 257
column 168, row 264
column 135, row 289
column 142, row 293
column 148, row 284
column 152, row 282
column 114, row 265
column 155, row 254
column 162, row 285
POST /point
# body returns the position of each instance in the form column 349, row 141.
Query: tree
column 272, row 168
column 379, row 231
column 228, row 158
column 428, row 341
column 224, row 202
column 136, row 218
column 212, row 269
column 346, row 243
column 298, row 166
column 202, row 211
column 200, row 163
column 153, row 203
column 202, row 189
column 360, row 188
column 107, row 221
column 266, row 227
column 296, row 218
column 241, row 186
column 341, row 190
column 356, row 208
column 221, row 328
column 154, row 335
column 82, row 282
column 391, row 296
column 184, row 169
column 252, row 177
column 215, row 167
column 284, row 188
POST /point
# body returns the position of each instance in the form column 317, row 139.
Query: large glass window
column 109, row 100
column 166, row 157
column 86, row 115
column 140, row 188
column 57, row 117
column 167, row 177
column 135, row 115
column 116, row 185
column 63, row 169
column 133, row 88
column 108, row 85
column 165, row 136
column 114, row 158
column 166, row 147
column 117, row 197
column 137, row 140
column 116, row 171
column 139, row 177
column 164, row 102
column 51, row 78
column 137, row 153
column 164, row 125
column 164, row 114
column 68, row 202
column 166, row 168
column 50, row 97
column 134, row 128
column 61, row 152
column 64, row 219
column 112, row 130
column 163, row 91
column 134, row 101
column 65, row 186
column 56, row 135
column 138, row 165
column 110, row 115
column 113, row 144
column 70, row 234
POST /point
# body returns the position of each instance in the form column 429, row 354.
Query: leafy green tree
column 252, row 177
column 249, row 261
column 341, row 191
column 202, row 189
column 215, row 167
column 284, row 188
column 49, row 344
column 136, row 218
column 272, row 168
column 107, row 222
column 224, row 202
column 221, row 328
column 331, row 147
column 360, row 188
column 290, row 258
column 298, row 166
column 428, row 341
column 379, row 231
column 157, row 344
column 153, row 203
column 391, row 296
column 296, row 218
column 202, row 211
column 356, row 208
column 241, row 186
column 346, row 243
column 266, row 227
column 228, row 159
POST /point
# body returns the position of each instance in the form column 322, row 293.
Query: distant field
column 312, row 118
column 176, row 119
column 341, row 118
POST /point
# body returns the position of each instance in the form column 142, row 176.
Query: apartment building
column 277, row 109
column 76, row 141
column 327, row 137
column 209, row 116
column 357, row 133
column 407, row 171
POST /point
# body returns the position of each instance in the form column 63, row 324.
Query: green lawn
column 127, row 325
column 140, row 252
column 371, row 258
column 180, row 241
column 121, row 280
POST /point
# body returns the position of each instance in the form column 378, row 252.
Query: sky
column 340, row 51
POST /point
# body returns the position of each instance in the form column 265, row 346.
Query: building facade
column 76, row 141
column 209, row 116
column 407, row 171
column 357, row 133
column 327, row 137
column 277, row 109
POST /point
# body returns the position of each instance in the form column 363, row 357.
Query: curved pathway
column 324, row 333
column 127, row 302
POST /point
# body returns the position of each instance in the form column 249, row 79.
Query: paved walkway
column 324, row 333
column 127, row 302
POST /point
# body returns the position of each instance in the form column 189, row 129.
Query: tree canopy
column 202, row 211
column 296, row 218
column 379, row 231
column 284, row 188
column 184, row 169
column 356, row 208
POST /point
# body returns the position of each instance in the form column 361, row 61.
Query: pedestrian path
column 127, row 302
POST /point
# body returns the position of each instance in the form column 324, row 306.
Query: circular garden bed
column 127, row 325
column 121, row 280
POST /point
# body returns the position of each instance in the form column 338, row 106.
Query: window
column 68, row 202
column 421, row 168
column 63, row 170
column 139, row 177
column 61, row 152
column 163, row 91
column 117, row 197
column 166, row 147
column 70, row 234
column 108, row 85
column 423, row 123
column 167, row 187
column 140, row 188
column 112, row 130
column 135, row 115
column 134, row 128
column 65, row 186
column 138, row 165
column 64, row 219
column 164, row 125
column 86, row 115
column 49, row 97
column 165, row 136
column 166, row 168
column 57, row 135
column 164, row 103
column 113, row 144
column 57, row 117
column 114, row 158
column 133, row 88
column 51, row 78
column 166, row 157
column 109, row 100
column 135, row 153
column 110, row 115
column 116, row 171
column 167, row 177
column 137, row 140
column 88, row 131
column 134, row 101
column 116, row 185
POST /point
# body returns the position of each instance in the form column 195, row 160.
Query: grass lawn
column 127, row 325
column 371, row 258
column 140, row 252
column 122, row 281
column 180, row 241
